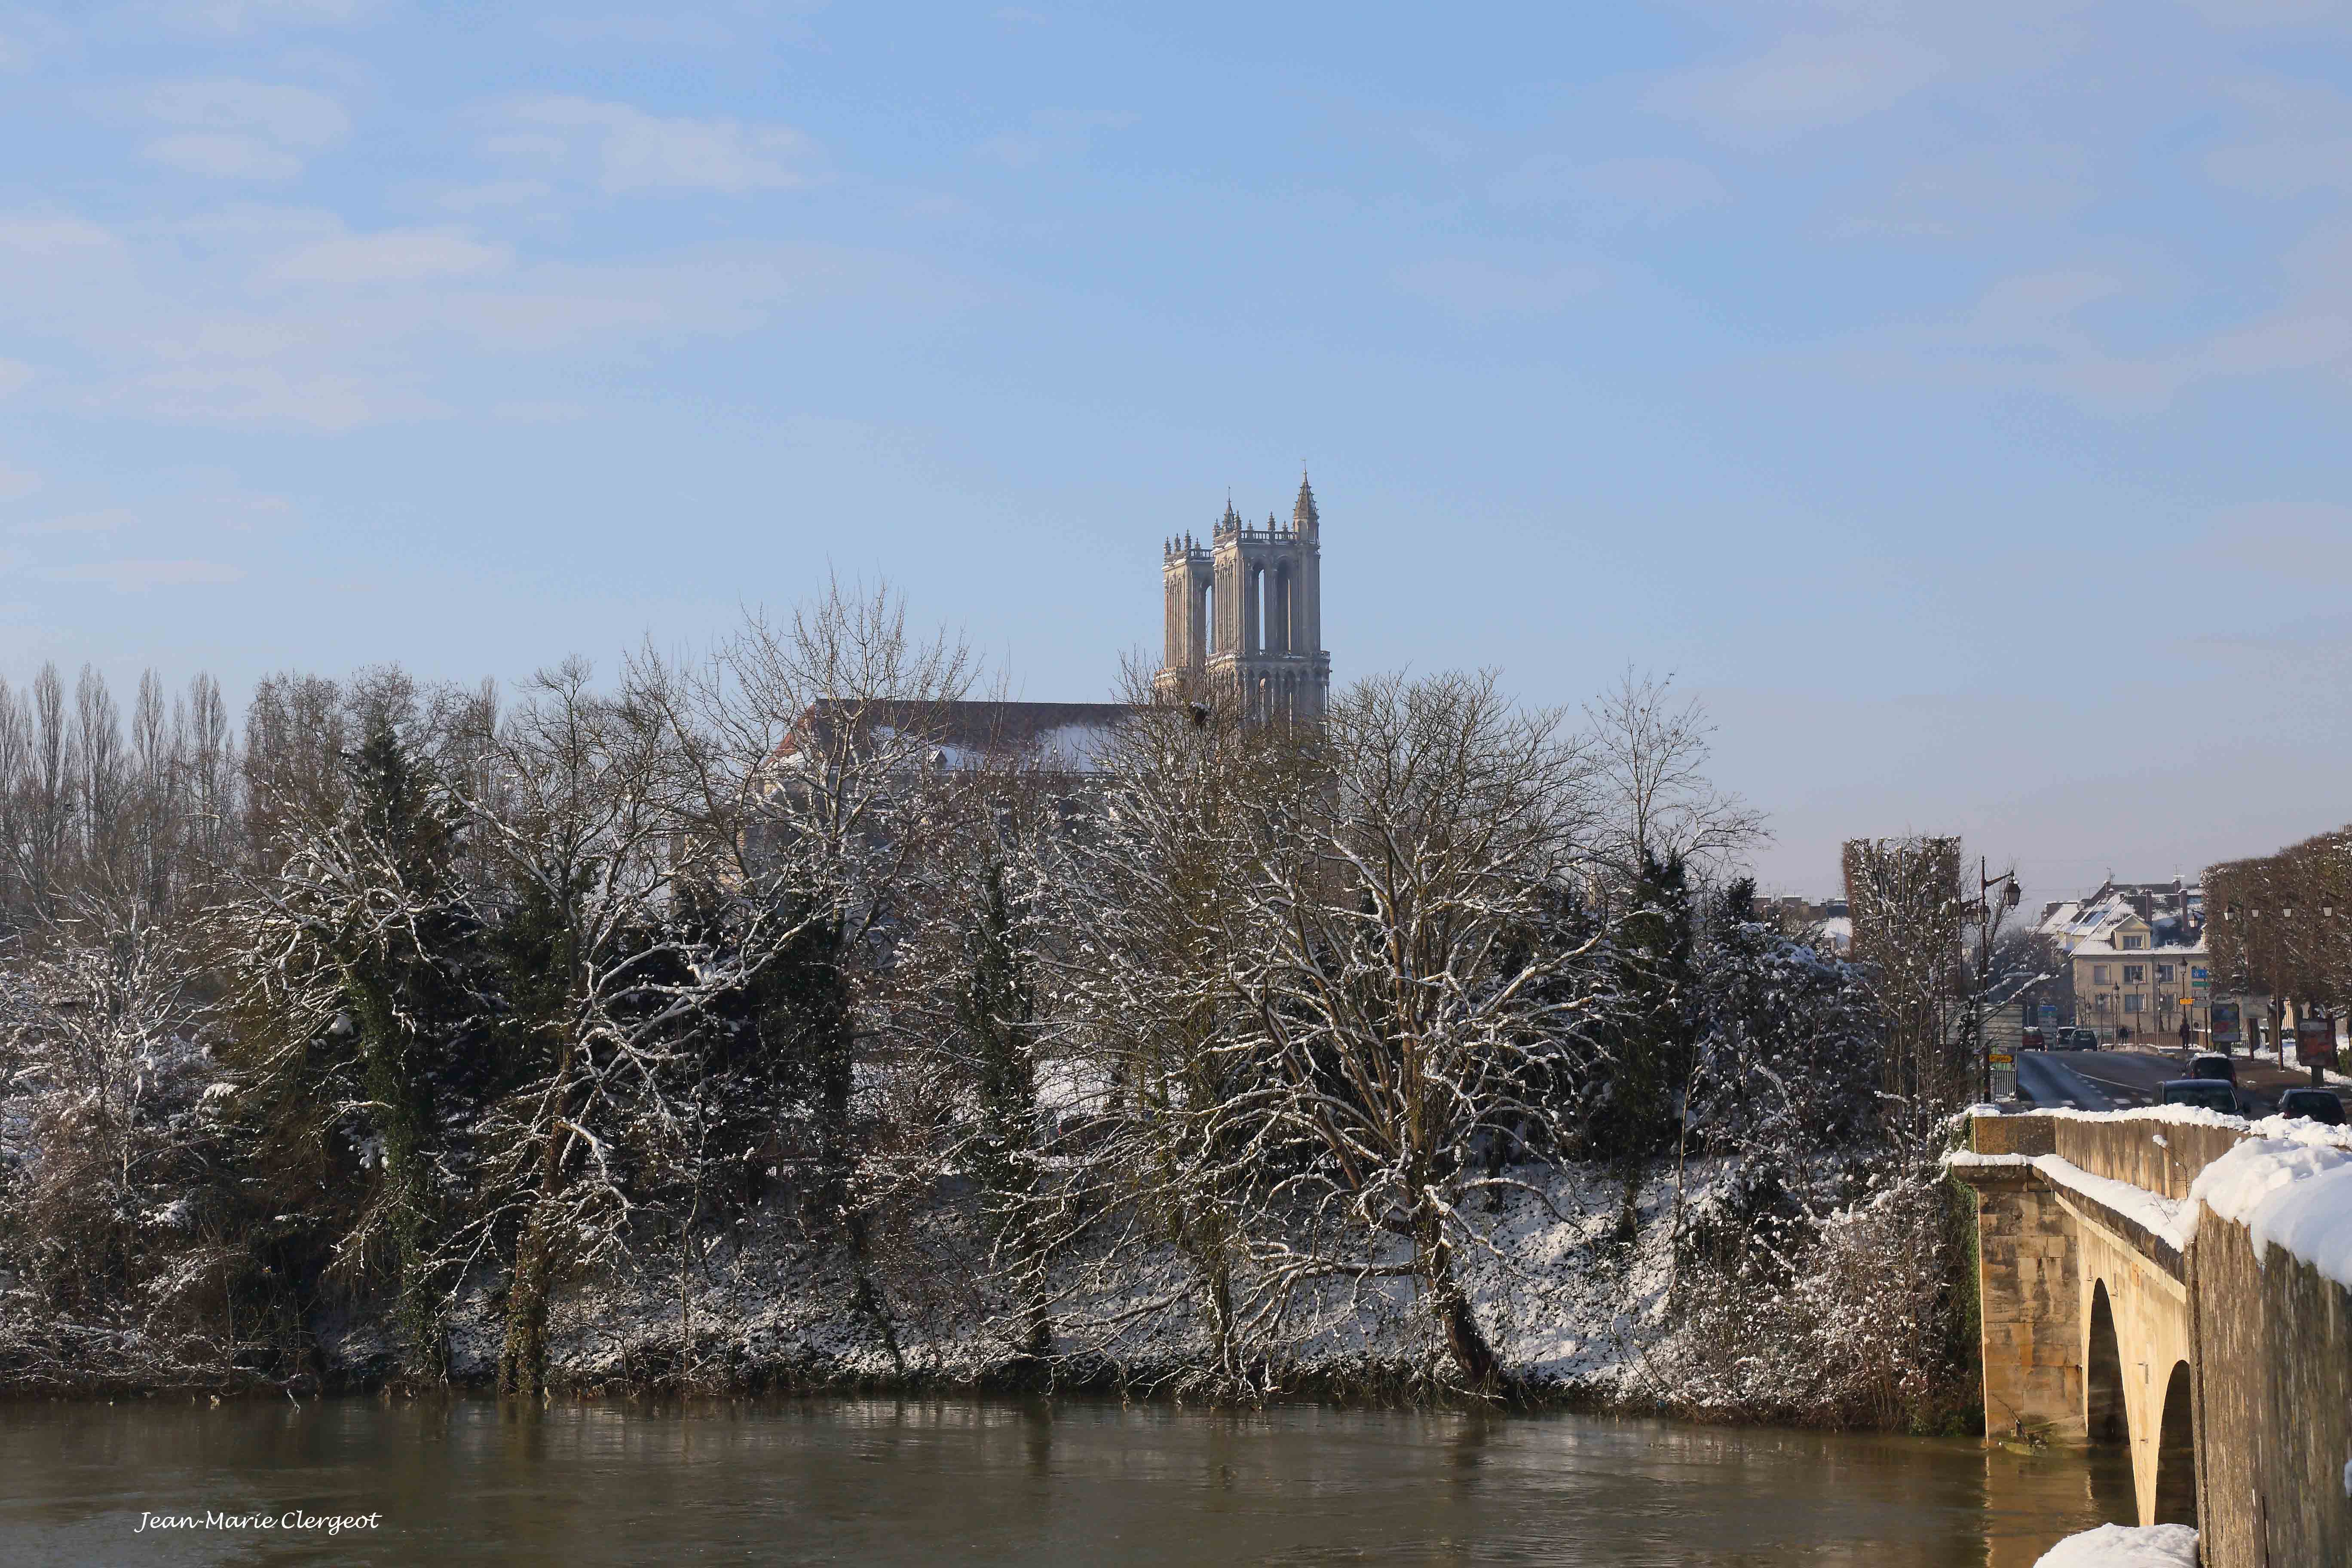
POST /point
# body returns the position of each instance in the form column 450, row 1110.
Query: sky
column 1952, row 397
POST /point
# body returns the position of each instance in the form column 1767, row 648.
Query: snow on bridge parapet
column 2159, row 1148
column 2162, row 1225
column 2182, row 1279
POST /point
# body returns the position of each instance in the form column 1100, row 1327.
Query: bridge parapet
column 2208, row 1326
column 2161, row 1152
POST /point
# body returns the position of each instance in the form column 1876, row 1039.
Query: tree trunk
column 1464, row 1340
column 869, row 1301
column 522, row 1361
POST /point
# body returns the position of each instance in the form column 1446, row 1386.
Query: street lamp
column 1985, row 921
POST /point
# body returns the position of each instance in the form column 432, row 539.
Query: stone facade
column 2229, row 1379
column 2027, row 1288
column 1244, row 615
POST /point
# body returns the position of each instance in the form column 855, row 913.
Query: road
column 2125, row 1077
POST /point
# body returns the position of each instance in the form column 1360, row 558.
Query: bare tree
column 1146, row 888
column 101, row 1053
column 1407, row 1019
column 1651, row 753
column 821, row 780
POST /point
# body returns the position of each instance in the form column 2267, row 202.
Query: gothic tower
column 1246, row 613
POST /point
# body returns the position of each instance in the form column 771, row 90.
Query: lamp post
column 2009, row 901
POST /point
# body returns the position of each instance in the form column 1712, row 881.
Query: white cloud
column 16, row 483
column 1613, row 191
column 293, row 116
column 2305, row 143
column 138, row 576
column 272, row 395
column 1985, row 188
column 2030, row 330
column 252, row 16
column 637, row 151
column 1481, row 290
column 47, row 237
column 2305, row 539
column 106, row 521
column 353, row 329
column 1053, row 134
column 2266, row 13
column 222, row 155
column 496, row 194
column 391, row 258
column 242, row 130
column 2284, row 168
column 681, row 30
column 1802, row 83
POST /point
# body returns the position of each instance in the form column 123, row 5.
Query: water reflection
column 2033, row 1502
column 885, row 1482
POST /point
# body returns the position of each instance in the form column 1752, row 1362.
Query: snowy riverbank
column 1576, row 1311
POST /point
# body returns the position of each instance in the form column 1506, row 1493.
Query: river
column 1072, row 1482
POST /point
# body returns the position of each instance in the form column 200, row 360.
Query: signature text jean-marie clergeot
column 293, row 1519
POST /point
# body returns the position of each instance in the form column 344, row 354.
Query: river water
column 1071, row 1482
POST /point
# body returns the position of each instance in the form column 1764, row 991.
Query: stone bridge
column 2117, row 1309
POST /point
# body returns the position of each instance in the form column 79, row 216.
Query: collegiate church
column 1246, row 613
column 1244, row 624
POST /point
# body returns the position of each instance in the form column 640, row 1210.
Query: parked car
column 2317, row 1104
column 2076, row 1037
column 2212, row 1093
column 2030, row 1039
column 2212, row 1064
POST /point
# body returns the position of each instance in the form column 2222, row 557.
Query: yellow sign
column 2002, row 1058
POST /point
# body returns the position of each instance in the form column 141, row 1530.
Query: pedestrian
column 2188, row 1035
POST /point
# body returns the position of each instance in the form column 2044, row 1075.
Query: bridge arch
column 2103, row 1419
column 2175, row 1452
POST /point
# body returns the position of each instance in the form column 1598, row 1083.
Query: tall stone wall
column 2273, row 1405
column 2029, row 1312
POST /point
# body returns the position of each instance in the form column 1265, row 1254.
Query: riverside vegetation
column 720, row 1028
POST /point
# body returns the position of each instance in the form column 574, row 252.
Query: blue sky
column 1954, row 396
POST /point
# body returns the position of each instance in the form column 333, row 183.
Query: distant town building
column 1827, row 922
column 2138, row 958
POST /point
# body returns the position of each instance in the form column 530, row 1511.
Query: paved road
column 2125, row 1078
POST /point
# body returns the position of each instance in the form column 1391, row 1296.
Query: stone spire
column 1302, row 516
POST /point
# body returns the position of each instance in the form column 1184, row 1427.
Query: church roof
column 1067, row 735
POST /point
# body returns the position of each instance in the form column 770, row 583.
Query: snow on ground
column 1565, row 1301
column 2126, row 1546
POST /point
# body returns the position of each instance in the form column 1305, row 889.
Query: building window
column 2135, row 1002
column 2098, row 974
column 2135, row 973
column 2164, row 971
column 2134, row 942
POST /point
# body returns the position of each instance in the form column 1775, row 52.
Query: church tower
column 1246, row 613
